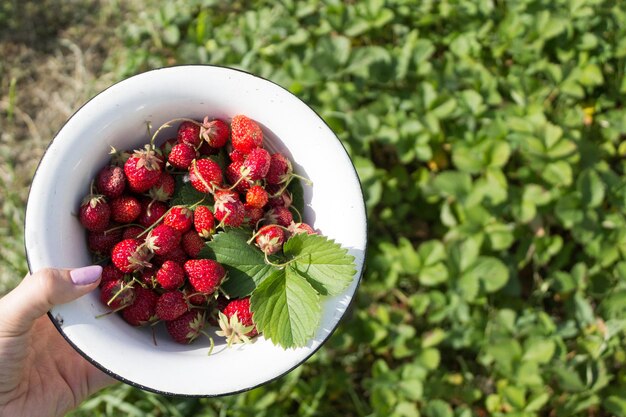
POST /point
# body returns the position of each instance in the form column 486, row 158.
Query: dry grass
column 45, row 76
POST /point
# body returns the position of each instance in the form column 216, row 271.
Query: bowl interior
column 118, row 117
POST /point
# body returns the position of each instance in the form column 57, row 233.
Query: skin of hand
column 40, row 373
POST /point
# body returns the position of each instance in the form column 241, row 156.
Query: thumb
column 39, row 292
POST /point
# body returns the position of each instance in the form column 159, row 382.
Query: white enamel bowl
column 117, row 117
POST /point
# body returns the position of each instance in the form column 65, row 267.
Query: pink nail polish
column 86, row 275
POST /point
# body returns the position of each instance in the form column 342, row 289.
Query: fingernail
column 86, row 275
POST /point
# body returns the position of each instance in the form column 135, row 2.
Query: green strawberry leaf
column 221, row 158
column 297, row 196
column 186, row 195
column 324, row 263
column 286, row 308
column 245, row 263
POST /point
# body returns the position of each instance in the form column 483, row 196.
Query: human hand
column 40, row 373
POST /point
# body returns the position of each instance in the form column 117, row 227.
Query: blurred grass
column 485, row 133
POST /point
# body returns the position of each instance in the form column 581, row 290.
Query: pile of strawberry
column 151, row 246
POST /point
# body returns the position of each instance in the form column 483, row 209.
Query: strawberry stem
column 167, row 124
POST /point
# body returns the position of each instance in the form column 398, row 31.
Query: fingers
column 38, row 292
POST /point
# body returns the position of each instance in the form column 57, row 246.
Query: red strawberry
column 205, row 275
column 236, row 156
column 179, row 218
column 181, row 155
column 192, row 243
column 151, row 211
column 189, row 132
column 236, row 322
column 162, row 239
column 228, row 208
column 143, row 169
column 117, row 294
column 125, row 209
column 280, row 169
column 252, row 215
column 177, row 255
column 187, row 327
column 270, row 239
column 236, row 175
column 215, row 132
column 203, row 221
column 245, row 134
column 205, row 175
column 103, row 242
column 164, row 189
column 110, row 273
column 131, row 232
column 256, row 196
column 142, row 310
column 171, row 305
column 111, row 181
column 279, row 215
column 94, row 213
column 130, row 255
column 171, row 275
column 257, row 164
column 295, row 228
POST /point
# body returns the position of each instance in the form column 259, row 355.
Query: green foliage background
column 489, row 139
